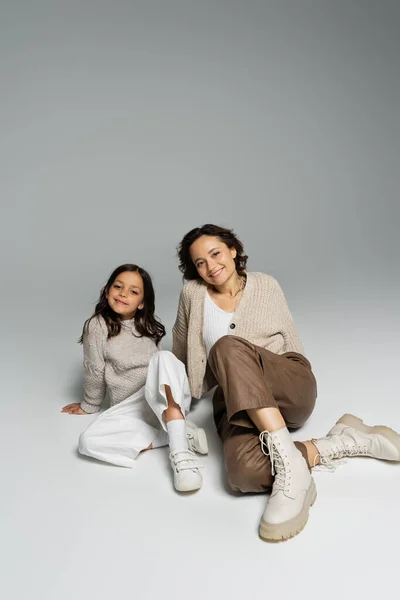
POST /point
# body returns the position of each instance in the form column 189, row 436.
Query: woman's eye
column 215, row 253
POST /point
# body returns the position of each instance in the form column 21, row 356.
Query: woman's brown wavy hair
column 227, row 236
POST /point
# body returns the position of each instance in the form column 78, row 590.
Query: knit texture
column 262, row 317
column 119, row 364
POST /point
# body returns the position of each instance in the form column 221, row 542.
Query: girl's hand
column 74, row 409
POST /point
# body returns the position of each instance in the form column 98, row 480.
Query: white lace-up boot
column 186, row 468
column 350, row 437
column 293, row 491
column 196, row 438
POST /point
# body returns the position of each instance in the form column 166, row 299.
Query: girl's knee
column 167, row 359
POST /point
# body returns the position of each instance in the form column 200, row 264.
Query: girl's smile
column 126, row 294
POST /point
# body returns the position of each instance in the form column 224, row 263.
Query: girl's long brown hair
column 146, row 322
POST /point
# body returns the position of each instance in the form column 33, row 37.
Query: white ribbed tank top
column 216, row 323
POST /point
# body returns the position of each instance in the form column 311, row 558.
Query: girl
column 234, row 330
column 149, row 391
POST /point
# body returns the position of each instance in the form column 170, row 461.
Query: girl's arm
column 94, row 366
column 180, row 331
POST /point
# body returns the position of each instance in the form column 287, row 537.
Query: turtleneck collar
column 128, row 323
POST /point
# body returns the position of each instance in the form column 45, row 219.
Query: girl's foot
column 186, row 468
column 196, row 438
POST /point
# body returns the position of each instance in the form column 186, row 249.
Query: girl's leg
column 168, row 395
column 120, row 433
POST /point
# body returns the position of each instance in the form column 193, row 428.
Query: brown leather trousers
column 252, row 377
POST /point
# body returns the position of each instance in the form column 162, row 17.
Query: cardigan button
column 232, row 325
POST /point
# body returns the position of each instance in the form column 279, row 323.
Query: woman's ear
column 233, row 252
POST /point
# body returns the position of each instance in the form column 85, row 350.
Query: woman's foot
column 293, row 490
column 351, row 437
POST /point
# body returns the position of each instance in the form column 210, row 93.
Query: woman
column 234, row 330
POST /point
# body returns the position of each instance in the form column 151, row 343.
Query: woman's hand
column 74, row 409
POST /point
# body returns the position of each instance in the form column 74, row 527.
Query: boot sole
column 276, row 532
column 390, row 434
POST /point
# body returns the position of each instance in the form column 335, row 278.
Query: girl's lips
column 120, row 302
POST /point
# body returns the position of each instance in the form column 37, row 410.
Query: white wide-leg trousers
column 121, row 432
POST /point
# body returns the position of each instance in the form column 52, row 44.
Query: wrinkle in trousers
column 120, row 433
column 249, row 377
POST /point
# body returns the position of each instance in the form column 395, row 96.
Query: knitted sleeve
column 180, row 331
column 94, row 366
column 289, row 332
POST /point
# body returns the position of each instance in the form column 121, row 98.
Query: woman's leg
column 271, row 392
column 248, row 468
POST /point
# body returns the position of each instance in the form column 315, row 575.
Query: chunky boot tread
column 275, row 532
column 359, row 425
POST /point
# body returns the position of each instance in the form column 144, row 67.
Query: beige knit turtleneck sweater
column 119, row 364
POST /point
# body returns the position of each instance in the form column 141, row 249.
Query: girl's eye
column 133, row 292
column 117, row 286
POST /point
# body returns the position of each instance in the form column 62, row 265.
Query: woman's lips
column 216, row 273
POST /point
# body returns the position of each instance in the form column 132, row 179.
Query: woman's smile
column 217, row 272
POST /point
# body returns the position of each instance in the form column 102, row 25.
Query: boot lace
column 279, row 468
column 332, row 459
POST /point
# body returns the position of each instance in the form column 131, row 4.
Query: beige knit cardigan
column 262, row 317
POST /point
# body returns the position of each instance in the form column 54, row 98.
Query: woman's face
column 213, row 259
column 126, row 294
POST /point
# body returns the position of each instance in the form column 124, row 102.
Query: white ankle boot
column 350, row 437
column 186, row 468
column 293, row 491
column 196, row 438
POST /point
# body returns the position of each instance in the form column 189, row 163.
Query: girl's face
column 213, row 259
column 126, row 294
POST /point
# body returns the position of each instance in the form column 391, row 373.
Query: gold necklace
column 240, row 289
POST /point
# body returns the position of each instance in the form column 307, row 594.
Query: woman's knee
column 225, row 346
column 299, row 415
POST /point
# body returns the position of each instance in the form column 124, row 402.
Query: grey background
column 122, row 126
